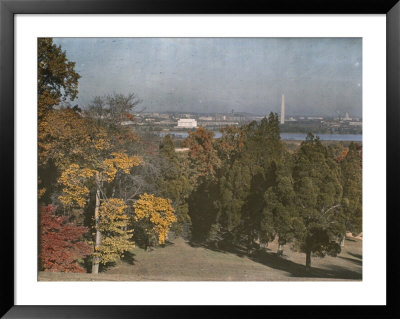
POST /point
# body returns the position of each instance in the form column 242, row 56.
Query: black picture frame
column 8, row 8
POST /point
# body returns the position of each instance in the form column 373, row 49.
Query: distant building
column 283, row 109
column 218, row 123
column 355, row 123
column 205, row 118
column 181, row 149
column 315, row 118
column 187, row 123
column 347, row 118
column 127, row 123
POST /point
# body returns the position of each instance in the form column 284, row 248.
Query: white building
column 205, row 118
column 347, row 117
column 187, row 123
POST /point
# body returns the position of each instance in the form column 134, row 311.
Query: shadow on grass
column 272, row 260
column 238, row 250
column 167, row 243
column 299, row 270
column 355, row 255
column 355, row 261
column 129, row 258
column 212, row 246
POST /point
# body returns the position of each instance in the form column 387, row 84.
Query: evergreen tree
column 174, row 182
column 263, row 151
column 351, row 178
column 250, row 158
column 318, row 198
column 280, row 204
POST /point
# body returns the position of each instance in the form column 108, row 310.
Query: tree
column 231, row 205
column 175, row 182
column 112, row 226
column 318, row 197
column 202, row 153
column 57, row 82
column 280, row 205
column 262, row 152
column 351, row 179
column 100, row 172
column 61, row 242
column 230, row 143
column 113, row 108
column 66, row 137
column 155, row 215
column 57, row 79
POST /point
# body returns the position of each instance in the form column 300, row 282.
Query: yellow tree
column 109, row 213
column 156, row 215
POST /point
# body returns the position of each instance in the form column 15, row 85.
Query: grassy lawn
column 180, row 261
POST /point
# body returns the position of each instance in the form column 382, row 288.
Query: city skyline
column 318, row 76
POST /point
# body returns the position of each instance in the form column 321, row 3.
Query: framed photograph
column 162, row 154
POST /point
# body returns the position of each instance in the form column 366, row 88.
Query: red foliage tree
column 61, row 242
column 202, row 152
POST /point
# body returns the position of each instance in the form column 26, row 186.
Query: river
column 288, row 136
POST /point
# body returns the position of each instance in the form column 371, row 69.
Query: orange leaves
column 202, row 152
column 119, row 161
column 74, row 178
column 342, row 155
column 158, row 211
column 116, row 239
column 75, row 190
column 66, row 137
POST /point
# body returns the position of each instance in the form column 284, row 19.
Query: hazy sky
column 319, row 76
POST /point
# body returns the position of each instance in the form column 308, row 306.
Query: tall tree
column 318, row 198
column 280, row 205
column 262, row 153
column 202, row 152
column 57, row 79
column 351, row 178
column 175, row 182
column 250, row 156
column 100, row 171
column 203, row 165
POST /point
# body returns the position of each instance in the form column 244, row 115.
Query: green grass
column 179, row 261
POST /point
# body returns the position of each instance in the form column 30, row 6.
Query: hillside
column 179, row 261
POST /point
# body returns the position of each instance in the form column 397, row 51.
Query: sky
column 318, row 76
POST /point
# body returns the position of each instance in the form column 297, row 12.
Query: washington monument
column 283, row 109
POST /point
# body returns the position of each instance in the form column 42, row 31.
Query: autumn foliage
column 202, row 152
column 61, row 242
column 113, row 224
column 158, row 213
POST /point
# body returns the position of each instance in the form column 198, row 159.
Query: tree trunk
column 95, row 262
column 249, row 243
column 308, row 260
column 280, row 250
column 342, row 241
